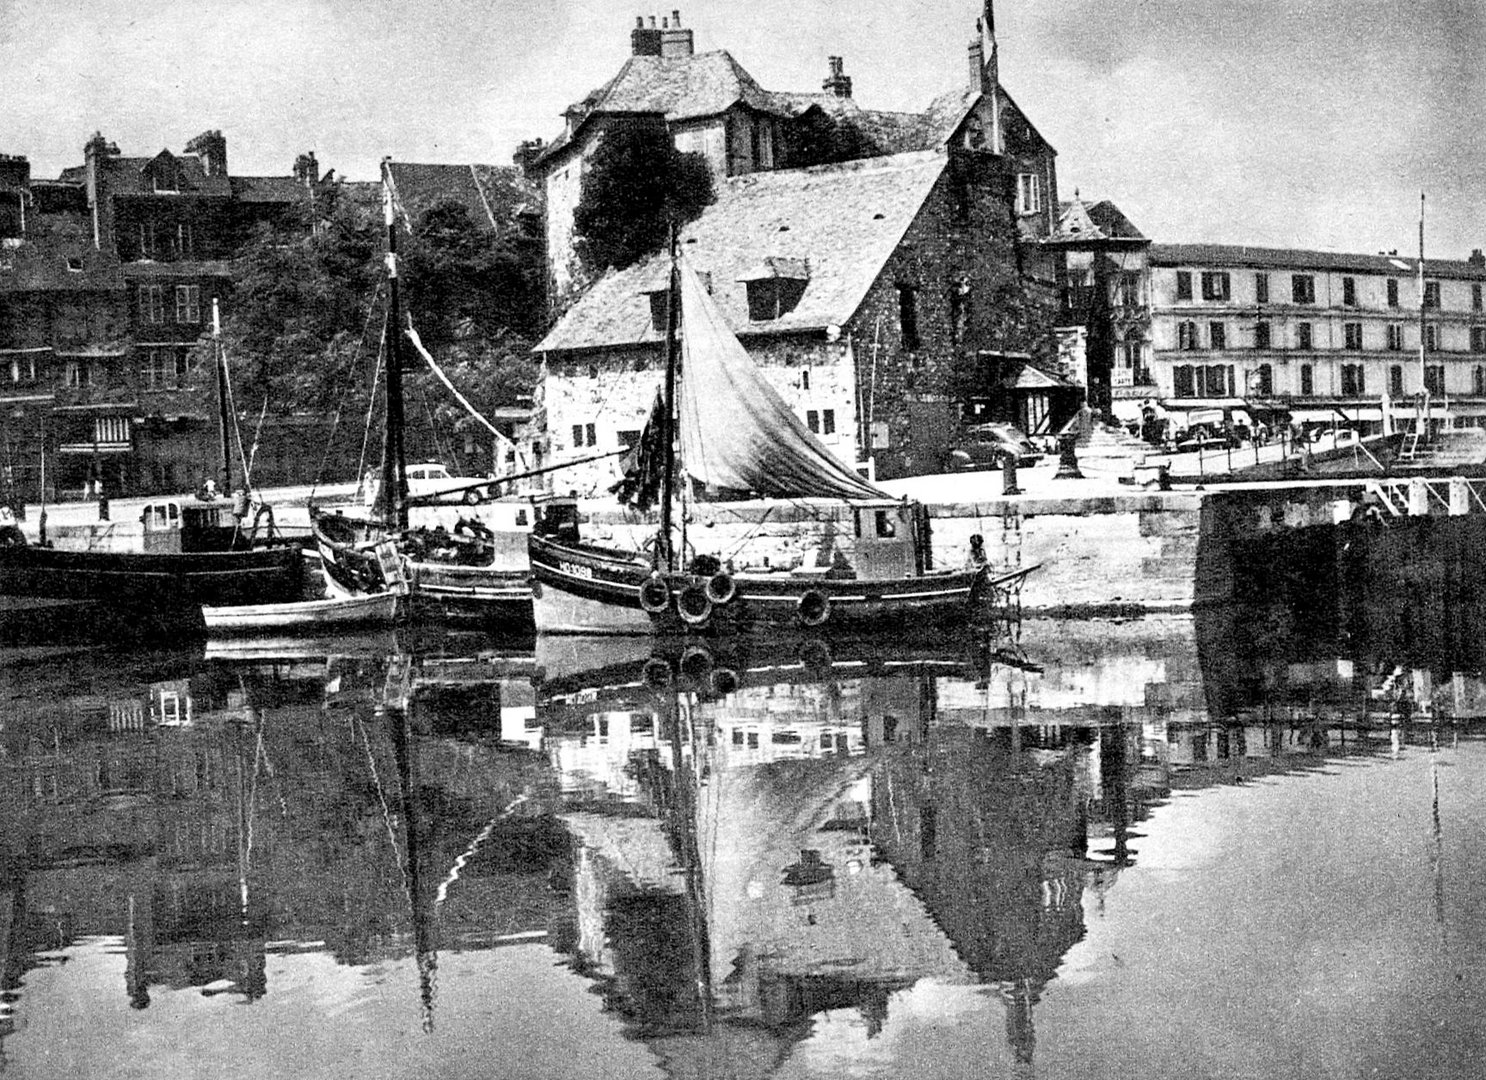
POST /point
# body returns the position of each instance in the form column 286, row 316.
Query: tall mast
column 224, row 411
column 663, row 548
column 394, row 494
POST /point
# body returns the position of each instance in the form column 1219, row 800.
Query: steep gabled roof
column 679, row 88
column 1080, row 222
column 493, row 194
column 843, row 221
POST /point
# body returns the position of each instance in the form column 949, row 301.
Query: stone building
column 889, row 295
column 107, row 279
column 1104, row 317
column 1320, row 337
column 711, row 106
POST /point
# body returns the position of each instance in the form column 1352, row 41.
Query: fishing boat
column 461, row 574
column 737, row 434
column 310, row 616
column 189, row 553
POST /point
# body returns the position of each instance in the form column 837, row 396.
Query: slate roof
column 32, row 268
column 1080, row 221
column 493, row 194
column 843, row 221
column 678, row 88
column 1302, row 259
column 269, row 189
column 125, row 175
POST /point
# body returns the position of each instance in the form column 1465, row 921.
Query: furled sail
column 736, row 431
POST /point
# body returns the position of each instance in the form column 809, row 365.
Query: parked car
column 983, row 446
column 426, row 478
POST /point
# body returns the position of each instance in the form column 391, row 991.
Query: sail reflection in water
column 765, row 858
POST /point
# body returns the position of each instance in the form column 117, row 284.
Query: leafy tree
column 635, row 185
column 817, row 138
column 304, row 324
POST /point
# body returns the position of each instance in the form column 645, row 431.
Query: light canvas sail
column 736, row 431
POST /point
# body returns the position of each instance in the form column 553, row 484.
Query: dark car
column 984, row 446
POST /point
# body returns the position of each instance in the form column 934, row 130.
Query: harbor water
column 1237, row 843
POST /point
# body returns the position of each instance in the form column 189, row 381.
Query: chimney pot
column 675, row 17
column 837, row 82
column 652, row 22
column 639, row 22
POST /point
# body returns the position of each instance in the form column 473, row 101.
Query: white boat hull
column 375, row 609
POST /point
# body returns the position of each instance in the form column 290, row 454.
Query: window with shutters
column 1395, row 380
column 1352, row 335
column 1349, row 292
column 1392, row 292
column 1434, row 378
column 1261, row 288
column 1432, row 294
column 1215, row 285
column 1395, row 336
column 1184, row 285
column 188, row 304
column 1307, row 380
column 1217, row 335
column 1303, row 338
column 1261, row 334
column 1303, row 288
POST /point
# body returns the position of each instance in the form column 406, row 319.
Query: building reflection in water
column 728, row 843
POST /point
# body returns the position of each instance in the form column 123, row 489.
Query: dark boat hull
column 584, row 589
column 479, row 596
column 154, row 581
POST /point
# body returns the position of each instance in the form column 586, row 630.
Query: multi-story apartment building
column 1315, row 336
column 107, row 278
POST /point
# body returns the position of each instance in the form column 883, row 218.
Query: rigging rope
column 371, row 404
column 371, row 309
column 443, row 378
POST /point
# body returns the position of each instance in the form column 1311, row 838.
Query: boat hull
column 306, row 615
column 581, row 589
column 483, row 596
column 154, row 581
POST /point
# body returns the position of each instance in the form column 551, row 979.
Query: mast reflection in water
column 1184, row 847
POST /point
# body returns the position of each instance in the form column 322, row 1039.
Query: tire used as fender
column 693, row 604
column 654, row 594
column 814, row 608
column 721, row 588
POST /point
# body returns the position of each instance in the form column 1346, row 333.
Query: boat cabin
column 892, row 539
column 557, row 518
column 171, row 527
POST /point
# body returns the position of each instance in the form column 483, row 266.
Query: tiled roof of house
column 1301, row 259
column 842, row 221
column 1082, row 221
column 678, row 88
column 32, row 268
column 493, row 194
column 126, row 175
column 269, row 189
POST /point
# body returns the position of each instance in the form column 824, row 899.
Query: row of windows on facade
column 770, row 298
column 1218, row 285
column 159, row 369
column 1218, row 380
column 819, row 421
column 1189, row 337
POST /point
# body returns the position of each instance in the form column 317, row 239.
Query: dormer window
column 775, row 287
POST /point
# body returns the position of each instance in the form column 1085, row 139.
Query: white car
column 430, row 478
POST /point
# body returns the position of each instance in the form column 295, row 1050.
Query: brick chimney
column 307, row 169
column 976, row 63
column 667, row 40
column 1477, row 259
column 837, row 83
column 674, row 41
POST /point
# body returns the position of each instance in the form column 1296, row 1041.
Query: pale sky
column 1293, row 123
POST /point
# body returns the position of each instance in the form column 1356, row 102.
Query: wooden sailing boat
column 736, row 432
column 446, row 575
column 190, row 554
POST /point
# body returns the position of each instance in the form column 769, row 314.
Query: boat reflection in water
column 798, row 856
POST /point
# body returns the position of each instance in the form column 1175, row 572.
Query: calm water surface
column 1235, row 846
